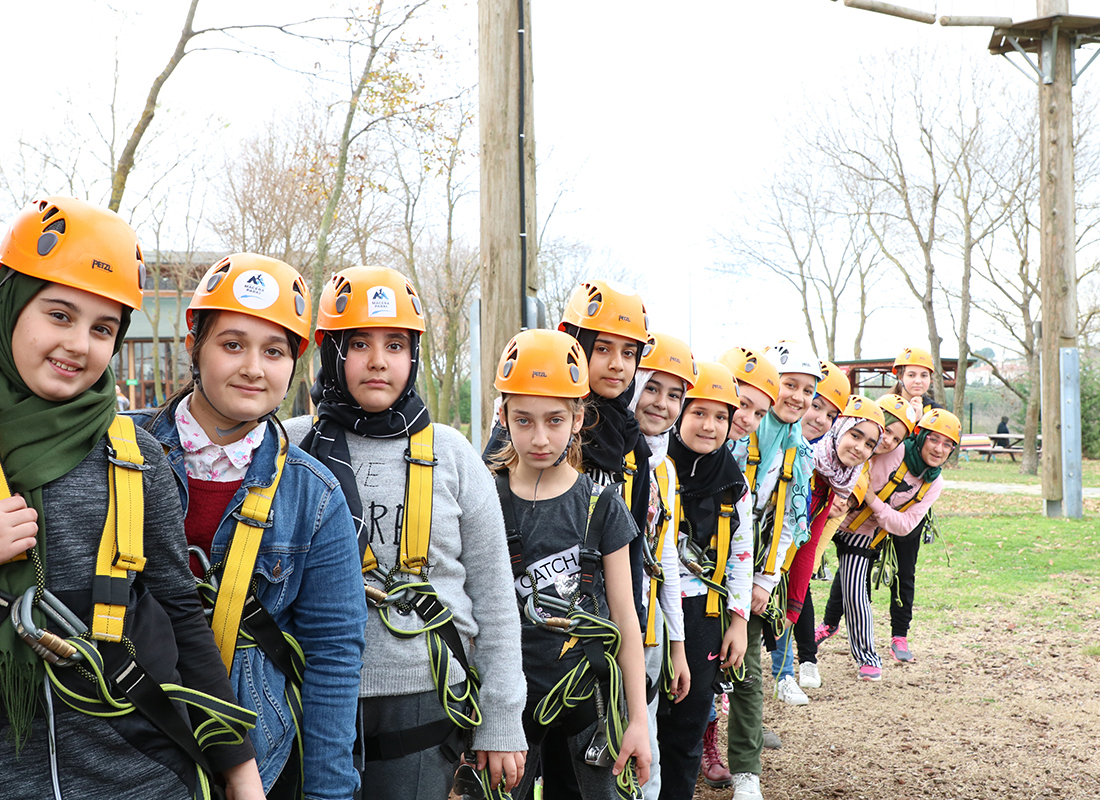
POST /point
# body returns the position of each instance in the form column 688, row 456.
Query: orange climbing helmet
column 68, row 241
column 913, row 357
column 369, row 297
column 258, row 286
column 668, row 354
column 715, row 382
column 834, row 385
column 864, row 408
column 942, row 421
column 749, row 366
column 898, row 406
column 543, row 363
column 609, row 307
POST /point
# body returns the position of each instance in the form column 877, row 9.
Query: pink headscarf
column 841, row 478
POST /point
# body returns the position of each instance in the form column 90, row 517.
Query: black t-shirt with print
column 553, row 533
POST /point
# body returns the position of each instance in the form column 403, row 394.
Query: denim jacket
column 309, row 581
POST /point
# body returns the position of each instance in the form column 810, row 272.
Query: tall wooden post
column 500, row 35
column 1058, row 272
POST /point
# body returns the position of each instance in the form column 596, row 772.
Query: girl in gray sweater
column 368, row 416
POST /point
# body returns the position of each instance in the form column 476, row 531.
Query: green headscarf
column 915, row 462
column 40, row 440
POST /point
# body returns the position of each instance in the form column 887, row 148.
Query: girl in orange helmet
column 666, row 372
column 570, row 561
column 715, row 547
column 249, row 322
column 903, row 486
column 430, row 530
column 828, row 404
column 71, row 276
column 914, row 367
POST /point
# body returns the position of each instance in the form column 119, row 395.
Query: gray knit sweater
column 468, row 559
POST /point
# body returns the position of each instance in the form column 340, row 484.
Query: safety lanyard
column 882, row 533
column 416, row 523
column 236, row 579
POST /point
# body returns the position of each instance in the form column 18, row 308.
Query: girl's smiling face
column 795, row 393
column 63, row 341
column 705, row 425
column 659, row 403
column 936, row 449
column 245, row 364
column 857, row 444
column 612, row 365
column 893, row 435
column 818, row 418
column 915, row 381
column 754, row 407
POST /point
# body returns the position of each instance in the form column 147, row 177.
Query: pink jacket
column 886, row 515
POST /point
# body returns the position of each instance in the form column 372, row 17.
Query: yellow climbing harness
column 779, row 496
column 236, row 576
column 884, row 495
column 669, row 515
column 120, row 552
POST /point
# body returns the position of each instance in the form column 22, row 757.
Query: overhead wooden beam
column 978, row 22
column 892, row 10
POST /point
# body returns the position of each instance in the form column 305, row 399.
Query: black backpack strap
column 591, row 557
column 511, row 524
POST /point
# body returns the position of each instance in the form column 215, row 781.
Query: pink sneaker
column 823, row 632
column 726, row 704
column 899, row 649
column 869, row 673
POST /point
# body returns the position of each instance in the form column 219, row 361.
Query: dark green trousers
column 746, row 718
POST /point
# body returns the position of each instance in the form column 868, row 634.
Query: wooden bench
column 974, row 443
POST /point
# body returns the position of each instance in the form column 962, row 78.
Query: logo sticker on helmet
column 256, row 289
column 381, row 302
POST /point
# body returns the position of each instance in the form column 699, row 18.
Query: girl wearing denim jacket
column 249, row 320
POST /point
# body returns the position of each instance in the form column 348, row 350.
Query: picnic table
column 994, row 444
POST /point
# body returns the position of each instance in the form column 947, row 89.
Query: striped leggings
column 854, row 566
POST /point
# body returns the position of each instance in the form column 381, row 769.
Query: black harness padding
column 428, row 608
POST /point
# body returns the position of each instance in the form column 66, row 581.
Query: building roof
column 878, row 373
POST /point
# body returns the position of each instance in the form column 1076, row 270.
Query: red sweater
column 206, row 504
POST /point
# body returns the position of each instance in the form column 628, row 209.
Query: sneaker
column 746, row 786
column 788, row 691
column 899, row 649
column 715, row 773
column 823, row 632
column 771, row 741
column 808, row 676
column 726, row 704
column 869, row 673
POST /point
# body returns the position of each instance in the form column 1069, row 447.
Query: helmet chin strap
column 225, row 431
column 564, row 452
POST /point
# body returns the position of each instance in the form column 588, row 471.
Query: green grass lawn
column 1010, row 566
column 1003, row 470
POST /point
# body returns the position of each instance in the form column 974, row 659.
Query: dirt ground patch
column 1001, row 705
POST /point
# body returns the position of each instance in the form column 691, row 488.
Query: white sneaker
column 808, row 676
column 787, row 690
column 746, row 786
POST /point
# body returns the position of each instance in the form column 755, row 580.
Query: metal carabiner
column 559, row 624
column 204, row 562
column 380, row 598
column 649, row 561
column 47, row 646
column 690, row 556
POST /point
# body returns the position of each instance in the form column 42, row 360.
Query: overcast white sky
column 661, row 118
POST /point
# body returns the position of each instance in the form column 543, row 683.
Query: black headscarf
column 338, row 413
column 703, row 478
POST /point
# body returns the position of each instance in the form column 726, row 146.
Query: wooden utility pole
column 508, row 262
column 1057, row 265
